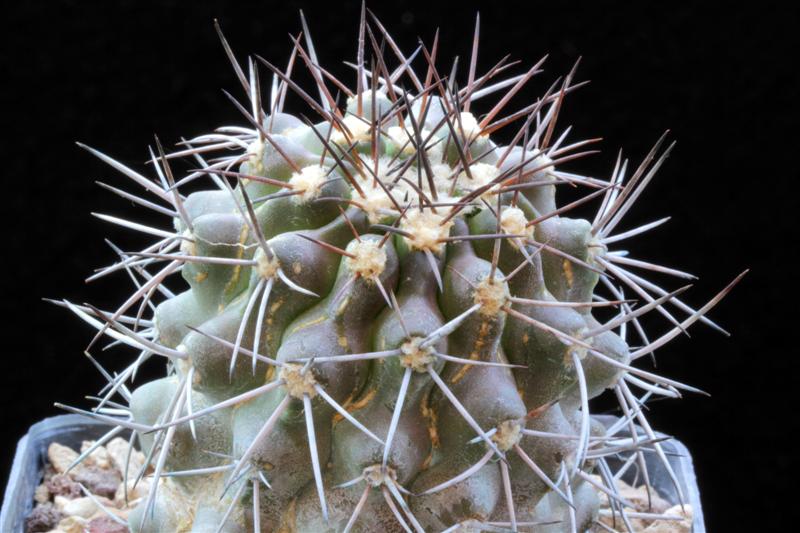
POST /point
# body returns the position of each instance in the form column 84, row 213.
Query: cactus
column 390, row 324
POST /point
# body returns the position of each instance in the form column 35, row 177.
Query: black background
column 723, row 79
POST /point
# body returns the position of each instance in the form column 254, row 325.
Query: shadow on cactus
column 390, row 323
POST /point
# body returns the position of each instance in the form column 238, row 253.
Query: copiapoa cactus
column 390, row 323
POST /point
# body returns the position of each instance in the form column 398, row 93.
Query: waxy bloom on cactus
column 390, row 324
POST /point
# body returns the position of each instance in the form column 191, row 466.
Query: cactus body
column 390, row 323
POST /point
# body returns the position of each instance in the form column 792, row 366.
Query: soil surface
column 88, row 497
column 646, row 512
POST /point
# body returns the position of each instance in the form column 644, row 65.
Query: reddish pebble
column 98, row 481
column 63, row 485
column 104, row 524
column 44, row 517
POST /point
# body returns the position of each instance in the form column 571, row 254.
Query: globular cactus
column 390, row 323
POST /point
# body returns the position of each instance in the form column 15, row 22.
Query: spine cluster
column 390, row 324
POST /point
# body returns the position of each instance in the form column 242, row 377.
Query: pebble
column 43, row 518
column 41, row 494
column 62, row 485
column 103, row 482
column 638, row 497
column 118, row 451
column 99, row 457
column 61, row 456
column 673, row 526
column 49, row 471
column 73, row 524
column 83, row 507
column 104, row 524
column 135, row 493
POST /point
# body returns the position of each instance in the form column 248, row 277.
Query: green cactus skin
column 390, row 324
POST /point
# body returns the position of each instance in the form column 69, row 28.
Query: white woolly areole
column 443, row 181
column 470, row 525
column 425, row 229
column 482, row 174
column 469, row 124
column 366, row 99
column 442, row 173
column 492, row 295
column 543, row 163
column 369, row 260
column 507, row 435
column 573, row 348
column 188, row 246
column 414, row 357
column 309, row 180
column 256, row 159
column 358, row 129
column 266, row 268
column 298, row 383
column 402, row 137
column 375, row 202
column 376, row 475
column 185, row 365
column 405, row 138
column 513, row 222
column 595, row 249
